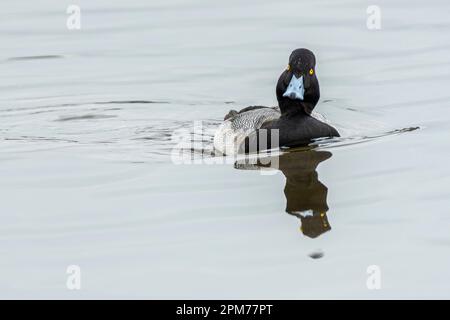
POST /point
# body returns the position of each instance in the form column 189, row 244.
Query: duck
column 290, row 124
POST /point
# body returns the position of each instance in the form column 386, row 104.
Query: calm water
column 87, row 119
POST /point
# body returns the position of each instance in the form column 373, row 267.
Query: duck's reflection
column 306, row 196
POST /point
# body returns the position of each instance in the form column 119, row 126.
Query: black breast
column 292, row 131
column 301, row 130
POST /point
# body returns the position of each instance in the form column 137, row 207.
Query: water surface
column 87, row 120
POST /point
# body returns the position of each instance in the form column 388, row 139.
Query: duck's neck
column 290, row 107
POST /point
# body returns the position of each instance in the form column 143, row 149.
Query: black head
column 298, row 87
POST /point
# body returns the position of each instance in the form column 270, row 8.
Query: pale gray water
column 86, row 119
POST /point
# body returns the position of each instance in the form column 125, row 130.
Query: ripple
column 132, row 102
column 330, row 143
column 143, row 137
column 38, row 138
column 49, row 107
column 85, row 117
column 316, row 255
column 36, row 57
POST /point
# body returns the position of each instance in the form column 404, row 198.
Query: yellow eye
column 311, row 72
column 288, row 67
